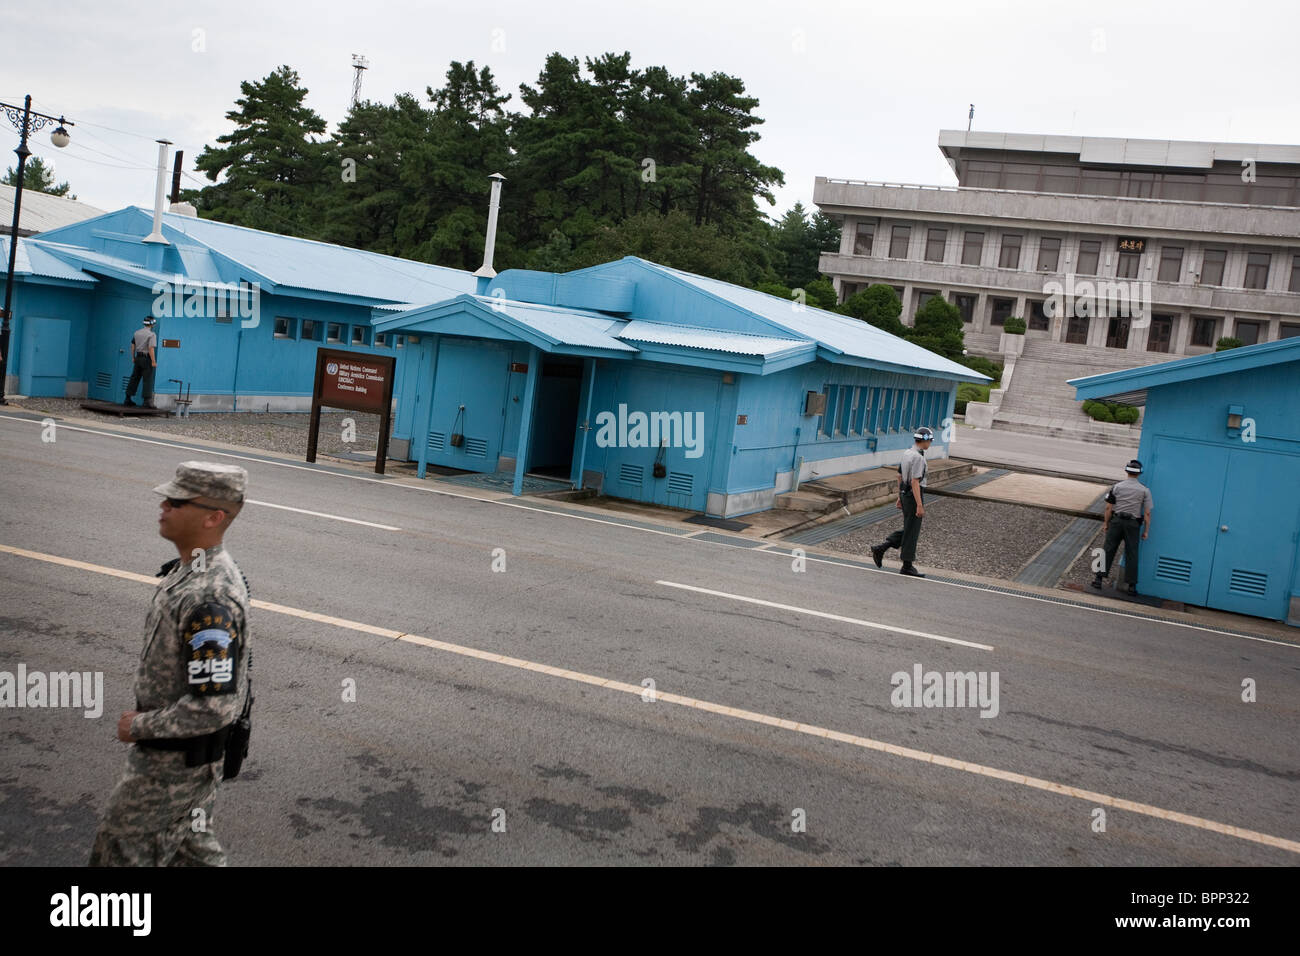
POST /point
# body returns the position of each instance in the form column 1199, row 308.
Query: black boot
column 1096, row 582
column 878, row 555
column 910, row 570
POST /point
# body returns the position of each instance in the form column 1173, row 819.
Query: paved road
column 506, row 719
column 1020, row 451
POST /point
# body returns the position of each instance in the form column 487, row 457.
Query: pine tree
column 38, row 177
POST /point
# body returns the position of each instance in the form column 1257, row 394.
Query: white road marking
column 1090, row 797
column 321, row 514
column 671, row 534
column 832, row 617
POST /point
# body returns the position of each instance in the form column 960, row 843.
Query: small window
column 1248, row 332
column 1049, row 254
column 311, row 330
column 844, row 411
column 334, row 332
column 898, row 242
column 966, row 306
column 284, row 327
column 862, row 420
column 1295, row 274
column 828, row 417
column 381, row 340
column 972, row 248
column 1288, row 330
column 1130, row 264
column 1171, row 263
column 866, row 234
column 1257, row 270
column 1204, row 330
column 399, row 341
column 936, row 241
column 1002, row 309
column 359, row 335
column 1089, row 257
column 1212, row 266
column 1010, row 255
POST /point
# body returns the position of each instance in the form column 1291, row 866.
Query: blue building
column 1221, row 450
column 641, row 381
column 240, row 312
column 657, row 385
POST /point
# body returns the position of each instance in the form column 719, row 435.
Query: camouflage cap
column 206, row 479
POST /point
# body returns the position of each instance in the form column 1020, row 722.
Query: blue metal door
column 1187, row 488
column 470, row 387
column 1255, row 548
column 108, row 357
column 685, row 452
column 43, row 369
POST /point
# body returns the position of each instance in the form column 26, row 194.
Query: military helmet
column 1134, row 467
column 923, row 434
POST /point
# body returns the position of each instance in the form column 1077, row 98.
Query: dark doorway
column 1117, row 334
column 1161, row 334
column 555, row 419
column 1077, row 330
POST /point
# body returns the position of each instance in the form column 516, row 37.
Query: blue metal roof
column 323, row 267
column 1130, row 385
column 34, row 260
column 663, row 333
column 562, row 326
column 839, row 337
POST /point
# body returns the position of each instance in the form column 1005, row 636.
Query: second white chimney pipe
column 485, row 271
column 160, row 193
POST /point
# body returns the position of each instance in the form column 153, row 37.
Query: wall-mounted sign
column 742, row 419
column 355, row 382
column 519, row 366
column 171, row 343
column 1131, row 244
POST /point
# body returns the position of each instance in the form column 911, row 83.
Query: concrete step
column 813, row 500
column 1076, row 433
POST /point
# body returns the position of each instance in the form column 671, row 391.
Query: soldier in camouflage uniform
column 191, row 683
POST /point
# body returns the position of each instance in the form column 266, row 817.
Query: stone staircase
column 1040, row 402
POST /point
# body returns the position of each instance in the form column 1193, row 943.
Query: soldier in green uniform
column 190, row 686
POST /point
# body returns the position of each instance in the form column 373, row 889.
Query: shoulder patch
column 211, row 649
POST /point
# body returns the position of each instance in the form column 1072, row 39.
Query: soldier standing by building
column 190, row 686
column 911, row 479
column 1128, row 506
column 144, row 362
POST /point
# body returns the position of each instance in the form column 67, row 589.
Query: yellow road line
column 865, row 743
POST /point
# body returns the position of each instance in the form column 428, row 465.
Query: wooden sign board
column 354, row 382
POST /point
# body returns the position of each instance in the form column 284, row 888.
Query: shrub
column 1014, row 326
column 982, row 365
column 878, row 305
column 968, row 392
column 1110, row 412
column 1227, row 343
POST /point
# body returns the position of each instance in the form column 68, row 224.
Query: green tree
column 877, row 305
column 937, row 327
column 798, row 242
column 673, row 240
column 273, row 167
column 38, row 177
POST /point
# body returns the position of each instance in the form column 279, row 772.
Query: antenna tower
column 359, row 66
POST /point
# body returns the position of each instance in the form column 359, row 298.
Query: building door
column 1255, row 547
column 108, row 356
column 1212, row 543
column 1162, row 330
column 555, row 417
column 43, row 363
column 470, row 387
column 1117, row 334
column 1077, row 330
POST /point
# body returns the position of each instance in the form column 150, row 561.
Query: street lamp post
column 25, row 121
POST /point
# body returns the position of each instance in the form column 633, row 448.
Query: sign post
column 354, row 382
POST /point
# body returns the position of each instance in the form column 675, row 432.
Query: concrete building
column 1221, row 450
column 1115, row 252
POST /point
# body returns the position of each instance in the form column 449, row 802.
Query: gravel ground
column 989, row 538
column 282, row 432
column 1080, row 573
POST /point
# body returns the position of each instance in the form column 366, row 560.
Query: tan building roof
column 42, row 212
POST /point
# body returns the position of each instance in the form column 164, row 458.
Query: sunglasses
column 182, row 502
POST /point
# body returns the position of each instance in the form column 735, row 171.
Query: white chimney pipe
column 485, row 271
column 160, row 194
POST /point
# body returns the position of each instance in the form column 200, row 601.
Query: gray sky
column 847, row 89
